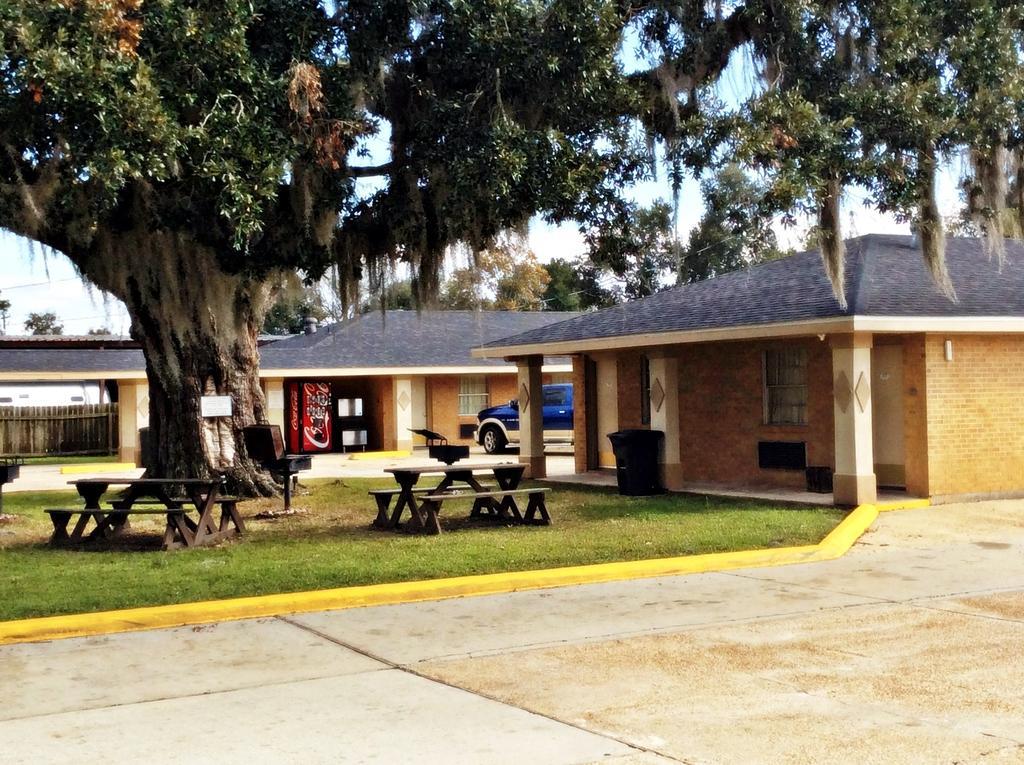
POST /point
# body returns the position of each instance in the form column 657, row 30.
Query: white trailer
column 53, row 393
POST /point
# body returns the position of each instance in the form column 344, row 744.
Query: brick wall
column 579, row 421
column 915, row 415
column 629, row 399
column 443, row 405
column 722, row 411
column 443, row 402
column 502, row 388
column 975, row 415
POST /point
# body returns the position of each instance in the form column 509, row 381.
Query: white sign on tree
column 215, row 406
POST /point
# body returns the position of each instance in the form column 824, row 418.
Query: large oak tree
column 183, row 153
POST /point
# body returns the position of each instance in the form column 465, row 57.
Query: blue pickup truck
column 498, row 426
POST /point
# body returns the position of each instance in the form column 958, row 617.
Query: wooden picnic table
column 201, row 494
column 507, row 475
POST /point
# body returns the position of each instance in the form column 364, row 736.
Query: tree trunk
column 198, row 327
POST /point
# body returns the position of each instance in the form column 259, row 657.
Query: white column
column 665, row 416
column 607, row 407
column 854, row 478
column 403, row 406
column 531, row 416
column 274, row 391
column 132, row 414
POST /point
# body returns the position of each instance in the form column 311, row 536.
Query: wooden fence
column 34, row 431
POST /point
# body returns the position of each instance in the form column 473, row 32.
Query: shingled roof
column 72, row 360
column 404, row 339
column 885, row 276
column 373, row 341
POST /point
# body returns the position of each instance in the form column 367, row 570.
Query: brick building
column 758, row 374
column 367, row 380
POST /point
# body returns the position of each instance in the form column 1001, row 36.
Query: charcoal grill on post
column 265, row 445
column 10, row 468
column 439, row 448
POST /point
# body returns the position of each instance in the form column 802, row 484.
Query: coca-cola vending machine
column 310, row 417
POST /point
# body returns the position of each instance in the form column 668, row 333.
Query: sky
column 36, row 282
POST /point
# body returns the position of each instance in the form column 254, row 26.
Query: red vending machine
column 309, row 417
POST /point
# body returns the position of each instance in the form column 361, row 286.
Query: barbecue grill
column 439, row 448
column 265, row 445
column 10, row 468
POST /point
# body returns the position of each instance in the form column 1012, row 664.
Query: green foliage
column 733, row 233
column 393, row 296
column 43, row 324
column 293, row 306
column 505, row 277
column 575, row 286
column 640, row 250
column 99, row 331
column 244, row 125
column 239, row 124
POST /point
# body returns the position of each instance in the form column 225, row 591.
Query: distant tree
column 640, row 250
column 392, row 296
column 733, row 233
column 5, row 308
column 99, row 331
column 575, row 286
column 295, row 302
column 461, row 290
column 506, row 277
column 43, row 324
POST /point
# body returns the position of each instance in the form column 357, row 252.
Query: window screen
column 785, row 386
column 472, row 394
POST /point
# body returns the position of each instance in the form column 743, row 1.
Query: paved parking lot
column 906, row 650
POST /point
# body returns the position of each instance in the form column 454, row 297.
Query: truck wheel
column 493, row 440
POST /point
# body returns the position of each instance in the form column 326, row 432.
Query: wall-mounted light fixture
column 949, row 350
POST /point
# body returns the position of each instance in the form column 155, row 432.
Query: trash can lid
column 637, row 434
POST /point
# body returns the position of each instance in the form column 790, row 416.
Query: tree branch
column 370, row 171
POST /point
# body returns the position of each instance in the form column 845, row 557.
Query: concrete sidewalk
column 906, row 650
column 49, row 477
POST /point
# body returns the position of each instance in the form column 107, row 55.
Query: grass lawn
column 79, row 459
column 333, row 545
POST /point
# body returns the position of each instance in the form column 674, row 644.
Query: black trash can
column 819, row 480
column 144, row 447
column 636, row 461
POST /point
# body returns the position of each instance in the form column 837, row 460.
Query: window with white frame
column 785, row 386
column 472, row 394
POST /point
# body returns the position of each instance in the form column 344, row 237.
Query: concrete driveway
column 906, row 650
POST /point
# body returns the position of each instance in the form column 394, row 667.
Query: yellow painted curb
column 98, row 467
column 838, row 541
column 904, row 504
column 379, row 455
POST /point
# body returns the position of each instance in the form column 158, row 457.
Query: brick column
column 580, row 425
column 531, row 416
column 402, row 398
column 854, row 479
column 665, row 416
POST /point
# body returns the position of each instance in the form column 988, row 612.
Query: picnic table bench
column 150, row 496
column 497, row 502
